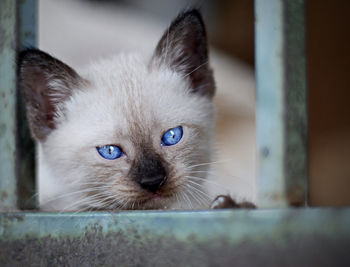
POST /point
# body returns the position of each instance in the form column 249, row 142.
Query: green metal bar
column 25, row 152
column 8, row 40
column 17, row 30
column 293, row 237
column 281, row 108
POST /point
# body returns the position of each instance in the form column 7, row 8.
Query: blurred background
column 80, row 31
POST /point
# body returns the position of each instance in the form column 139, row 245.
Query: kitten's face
column 128, row 133
column 132, row 107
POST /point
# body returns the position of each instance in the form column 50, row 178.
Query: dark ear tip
column 23, row 56
column 192, row 14
column 31, row 53
column 27, row 52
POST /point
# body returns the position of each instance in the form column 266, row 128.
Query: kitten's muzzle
column 153, row 184
column 149, row 171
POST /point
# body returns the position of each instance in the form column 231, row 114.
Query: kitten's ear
column 45, row 83
column 183, row 47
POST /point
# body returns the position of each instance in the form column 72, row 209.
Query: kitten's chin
column 154, row 202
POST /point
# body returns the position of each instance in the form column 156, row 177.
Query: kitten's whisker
column 34, row 196
column 81, row 191
column 88, row 199
column 199, row 185
column 207, row 163
column 207, row 196
column 205, row 180
column 201, row 65
column 207, row 172
column 176, row 196
column 187, row 198
column 196, row 195
column 73, row 206
column 183, row 198
column 125, row 204
column 97, row 183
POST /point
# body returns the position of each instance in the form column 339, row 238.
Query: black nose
column 153, row 183
column 149, row 171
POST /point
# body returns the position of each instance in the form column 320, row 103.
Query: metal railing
column 277, row 235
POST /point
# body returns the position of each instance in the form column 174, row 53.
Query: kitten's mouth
column 156, row 196
column 158, row 200
column 162, row 198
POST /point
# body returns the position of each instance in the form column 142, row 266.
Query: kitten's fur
column 129, row 101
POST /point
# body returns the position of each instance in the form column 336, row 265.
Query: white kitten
column 128, row 132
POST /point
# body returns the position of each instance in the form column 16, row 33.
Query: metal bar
column 281, row 102
column 8, row 40
column 17, row 30
column 293, row 237
column 25, row 153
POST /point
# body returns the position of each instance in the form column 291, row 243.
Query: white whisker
column 187, row 198
column 207, row 163
column 207, row 196
column 201, row 65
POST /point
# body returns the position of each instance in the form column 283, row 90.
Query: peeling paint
column 7, row 103
column 281, row 107
column 297, row 237
column 27, row 37
column 17, row 29
column 119, row 249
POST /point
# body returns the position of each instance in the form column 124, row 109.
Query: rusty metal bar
column 281, row 108
column 25, row 152
column 17, row 30
column 289, row 237
column 8, row 40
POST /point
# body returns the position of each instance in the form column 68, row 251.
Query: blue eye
column 109, row 152
column 172, row 136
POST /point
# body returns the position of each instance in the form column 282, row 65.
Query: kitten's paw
column 226, row 202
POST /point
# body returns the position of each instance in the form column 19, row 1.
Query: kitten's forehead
column 128, row 84
column 127, row 98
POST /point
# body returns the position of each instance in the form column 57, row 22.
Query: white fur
column 116, row 29
column 122, row 91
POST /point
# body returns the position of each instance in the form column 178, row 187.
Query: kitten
column 128, row 132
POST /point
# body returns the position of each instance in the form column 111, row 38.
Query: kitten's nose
column 153, row 183
column 149, row 171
